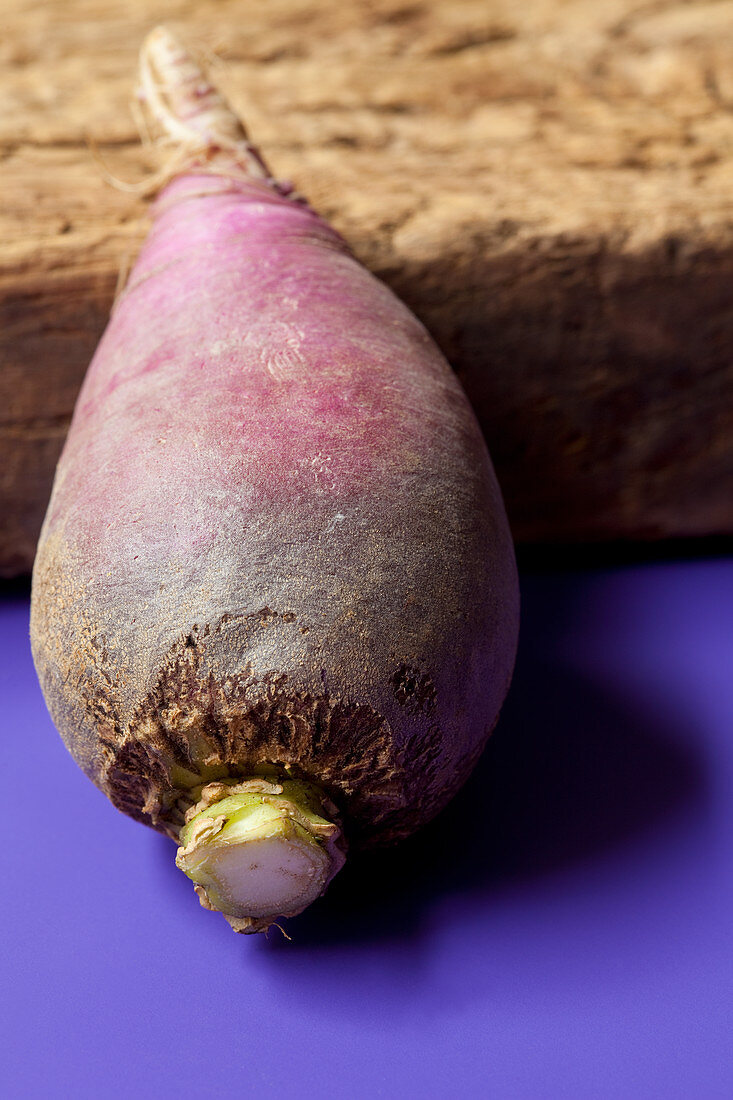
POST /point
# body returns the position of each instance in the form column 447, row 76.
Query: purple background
column 564, row 929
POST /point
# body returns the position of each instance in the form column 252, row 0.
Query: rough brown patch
column 413, row 689
column 134, row 779
column 228, row 727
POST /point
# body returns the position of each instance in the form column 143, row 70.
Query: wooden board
column 549, row 185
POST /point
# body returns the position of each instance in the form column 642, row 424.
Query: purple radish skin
column 275, row 575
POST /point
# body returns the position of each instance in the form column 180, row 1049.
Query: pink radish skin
column 275, row 536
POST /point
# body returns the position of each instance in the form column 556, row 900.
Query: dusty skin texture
column 275, row 535
column 548, row 185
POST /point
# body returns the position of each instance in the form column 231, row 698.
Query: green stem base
column 258, row 850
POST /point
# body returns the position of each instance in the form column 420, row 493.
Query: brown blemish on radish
column 414, row 689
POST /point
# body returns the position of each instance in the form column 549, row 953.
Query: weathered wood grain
column 548, row 185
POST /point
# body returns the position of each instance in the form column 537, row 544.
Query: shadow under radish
column 572, row 773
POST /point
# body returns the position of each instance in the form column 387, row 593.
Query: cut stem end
column 259, row 850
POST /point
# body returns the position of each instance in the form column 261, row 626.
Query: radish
column 275, row 600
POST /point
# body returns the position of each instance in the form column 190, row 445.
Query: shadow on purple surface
column 571, row 773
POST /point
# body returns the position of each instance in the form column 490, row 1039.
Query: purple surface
column 564, row 929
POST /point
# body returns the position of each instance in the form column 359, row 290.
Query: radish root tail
column 188, row 113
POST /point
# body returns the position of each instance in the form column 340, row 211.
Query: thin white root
column 122, row 276
column 178, row 160
column 141, row 123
